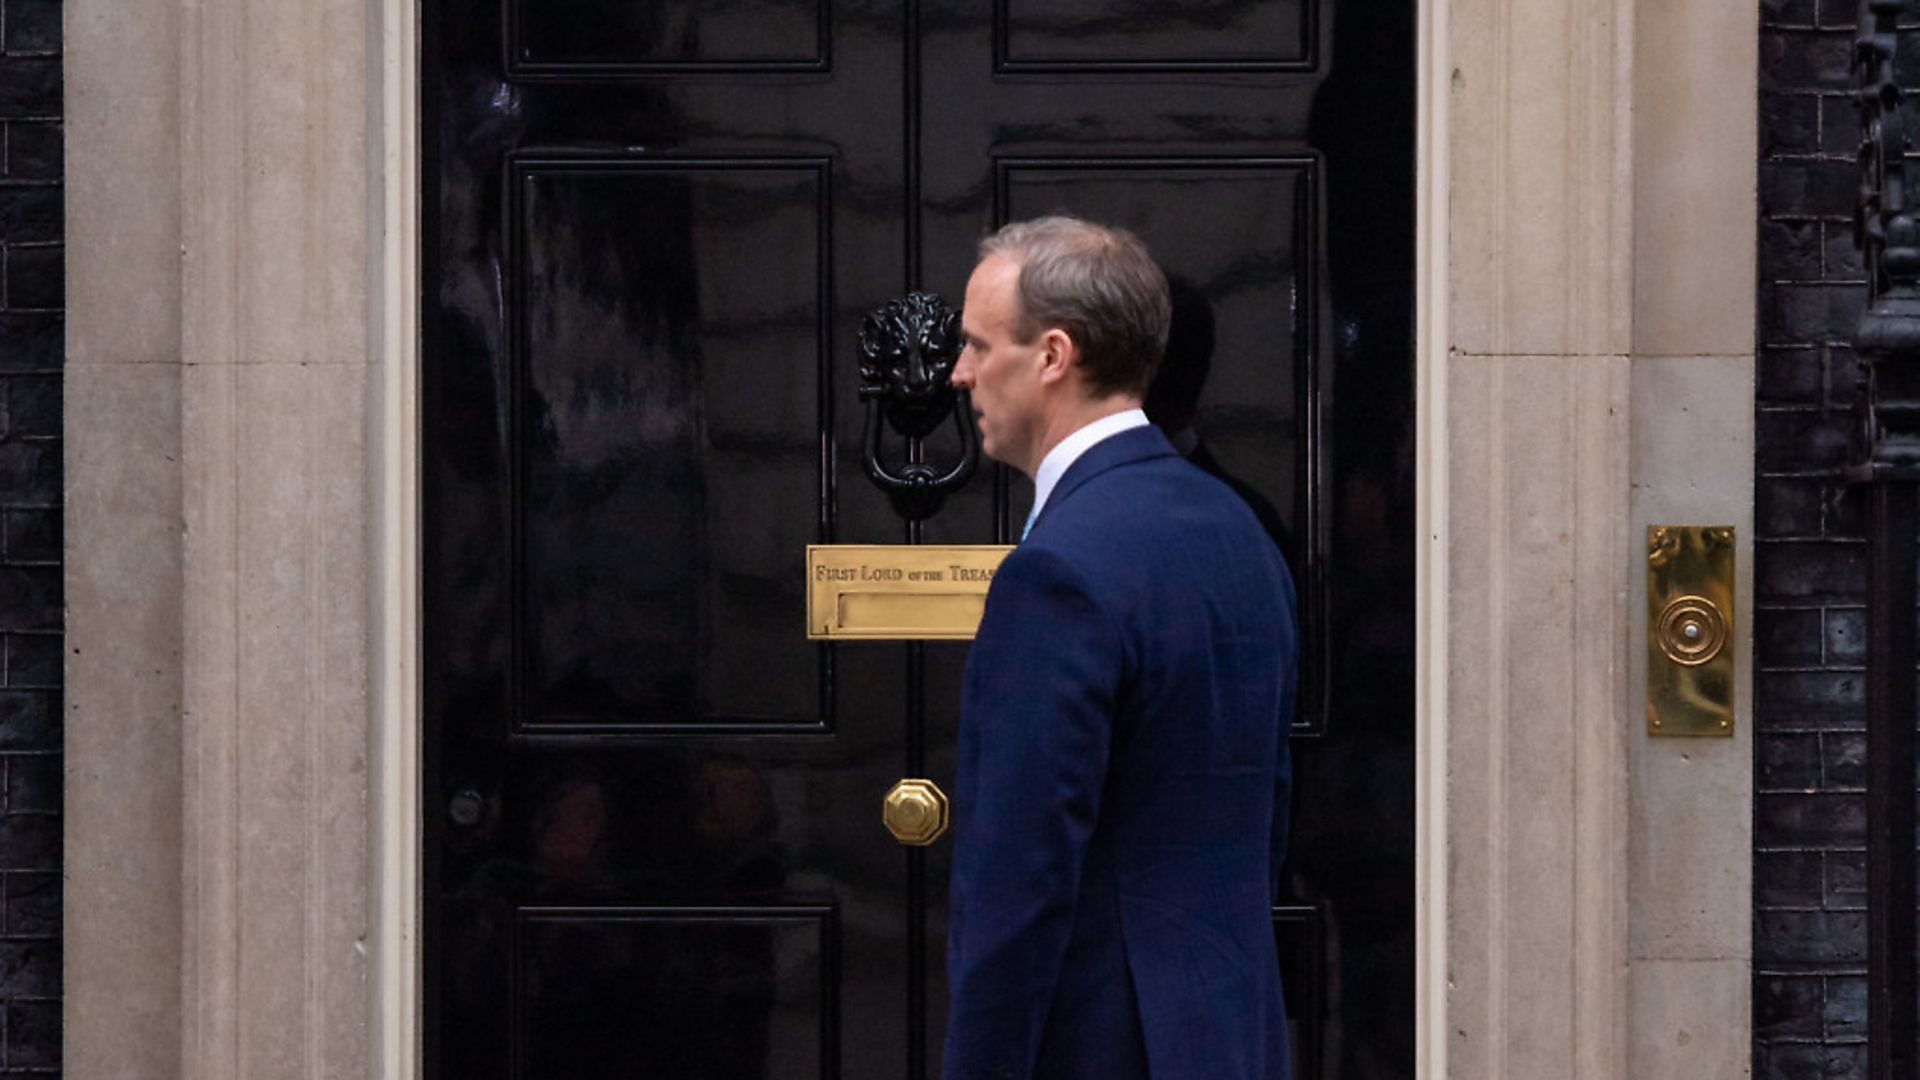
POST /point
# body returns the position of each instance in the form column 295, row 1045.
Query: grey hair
column 1098, row 284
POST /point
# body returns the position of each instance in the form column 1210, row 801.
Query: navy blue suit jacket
column 1121, row 791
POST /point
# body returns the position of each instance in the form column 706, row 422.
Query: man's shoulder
column 1057, row 563
column 1127, row 525
column 1138, row 498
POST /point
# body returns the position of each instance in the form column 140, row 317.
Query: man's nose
column 962, row 375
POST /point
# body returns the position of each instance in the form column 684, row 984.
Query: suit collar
column 1061, row 458
column 1126, row 448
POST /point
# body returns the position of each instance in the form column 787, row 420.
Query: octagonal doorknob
column 915, row 812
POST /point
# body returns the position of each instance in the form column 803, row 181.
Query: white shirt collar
column 1068, row 450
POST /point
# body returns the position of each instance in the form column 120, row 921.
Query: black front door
column 651, row 229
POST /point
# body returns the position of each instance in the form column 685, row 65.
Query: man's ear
column 1058, row 354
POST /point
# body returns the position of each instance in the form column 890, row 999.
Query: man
column 1122, row 778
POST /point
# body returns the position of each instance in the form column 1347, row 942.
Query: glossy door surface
column 654, row 835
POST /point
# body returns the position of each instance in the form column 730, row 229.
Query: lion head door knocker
column 907, row 352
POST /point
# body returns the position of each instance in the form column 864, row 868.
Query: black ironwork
column 1887, row 465
column 907, row 351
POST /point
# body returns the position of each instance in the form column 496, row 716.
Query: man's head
column 1064, row 322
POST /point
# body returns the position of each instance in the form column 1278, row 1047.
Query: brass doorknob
column 915, row 812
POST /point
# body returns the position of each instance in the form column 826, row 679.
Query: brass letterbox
column 898, row 592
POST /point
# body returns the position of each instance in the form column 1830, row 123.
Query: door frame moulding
column 397, row 805
column 394, row 330
column 1432, row 68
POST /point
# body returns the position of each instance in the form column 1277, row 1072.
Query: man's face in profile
column 1000, row 372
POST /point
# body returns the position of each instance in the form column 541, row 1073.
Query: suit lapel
column 1142, row 443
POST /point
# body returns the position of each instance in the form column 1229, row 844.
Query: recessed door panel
column 1240, row 241
column 599, row 38
column 1110, row 35
column 674, row 993
column 672, row 323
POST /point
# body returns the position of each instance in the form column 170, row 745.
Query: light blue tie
column 1028, row 527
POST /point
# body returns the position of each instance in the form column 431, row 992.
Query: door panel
column 1241, row 235
column 589, row 38
column 1070, row 36
column 652, row 422
column 741, row 986
column 650, row 231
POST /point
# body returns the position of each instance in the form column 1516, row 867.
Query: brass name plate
column 898, row 592
column 1690, row 629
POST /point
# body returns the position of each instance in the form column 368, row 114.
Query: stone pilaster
column 1532, row 517
column 221, row 576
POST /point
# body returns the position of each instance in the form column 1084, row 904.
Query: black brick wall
column 1810, row 933
column 32, row 294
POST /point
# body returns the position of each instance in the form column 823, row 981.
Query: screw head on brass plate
column 1662, row 545
column 915, row 812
